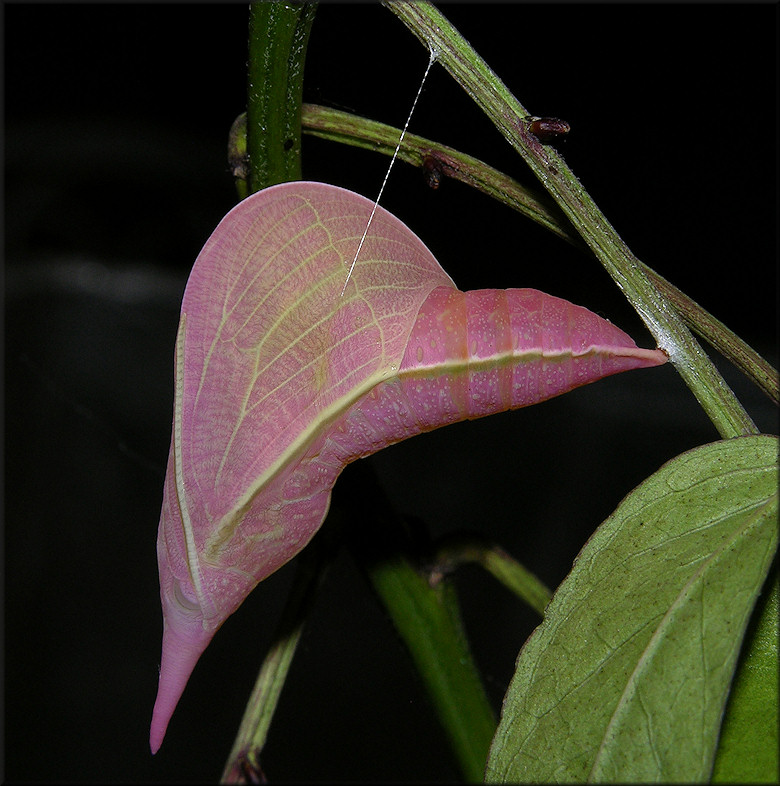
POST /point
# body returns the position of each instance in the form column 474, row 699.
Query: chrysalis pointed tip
column 180, row 653
column 155, row 742
column 655, row 357
column 161, row 716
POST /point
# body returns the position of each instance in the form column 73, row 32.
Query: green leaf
column 627, row 677
column 748, row 748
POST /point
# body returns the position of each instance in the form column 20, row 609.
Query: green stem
column 261, row 706
column 457, row 550
column 428, row 621
column 509, row 117
column 748, row 743
column 278, row 35
column 724, row 340
column 338, row 126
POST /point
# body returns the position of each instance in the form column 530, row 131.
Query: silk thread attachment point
column 431, row 60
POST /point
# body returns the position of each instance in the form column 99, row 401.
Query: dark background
column 116, row 120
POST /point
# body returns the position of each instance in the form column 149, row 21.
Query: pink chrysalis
column 281, row 381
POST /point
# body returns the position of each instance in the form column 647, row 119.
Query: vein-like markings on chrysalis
column 181, row 496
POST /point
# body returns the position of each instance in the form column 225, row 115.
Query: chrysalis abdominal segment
column 547, row 129
column 431, row 60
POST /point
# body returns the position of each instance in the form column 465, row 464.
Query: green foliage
column 627, row 677
column 748, row 749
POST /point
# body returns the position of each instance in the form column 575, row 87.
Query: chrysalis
column 281, row 382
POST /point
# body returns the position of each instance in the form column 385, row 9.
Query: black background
column 116, row 127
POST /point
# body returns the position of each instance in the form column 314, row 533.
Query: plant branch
column 427, row 619
column 510, row 118
column 278, row 35
column 250, row 740
column 457, row 550
column 337, row 126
